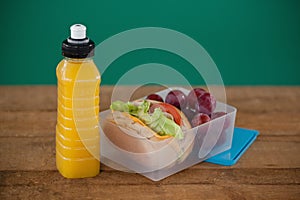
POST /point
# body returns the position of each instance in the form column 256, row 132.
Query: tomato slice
column 165, row 107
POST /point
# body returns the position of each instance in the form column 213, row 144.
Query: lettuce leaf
column 124, row 107
column 157, row 121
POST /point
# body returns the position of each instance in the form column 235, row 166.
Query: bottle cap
column 78, row 45
column 78, row 31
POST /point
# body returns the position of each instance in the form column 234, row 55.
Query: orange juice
column 77, row 129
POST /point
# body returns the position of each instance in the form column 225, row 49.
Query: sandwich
column 149, row 130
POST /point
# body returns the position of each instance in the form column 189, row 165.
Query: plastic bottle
column 77, row 129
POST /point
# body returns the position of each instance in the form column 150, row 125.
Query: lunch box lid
column 242, row 140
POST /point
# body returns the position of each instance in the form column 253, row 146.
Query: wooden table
column 270, row 169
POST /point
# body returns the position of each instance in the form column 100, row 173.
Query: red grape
column 217, row 115
column 193, row 95
column 199, row 119
column 155, row 97
column 188, row 113
column 176, row 98
column 220, row 114
column 206, row 103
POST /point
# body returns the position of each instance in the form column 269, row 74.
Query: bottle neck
column 78, row 60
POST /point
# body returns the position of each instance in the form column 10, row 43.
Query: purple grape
column 193, row 96
column 199, row 119
column 206, row 104
column 176, row 98
column 227, row 121
column 189, row 113
column 155, row 97
column 217, row 115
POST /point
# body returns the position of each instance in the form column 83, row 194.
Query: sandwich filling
column 160, row 121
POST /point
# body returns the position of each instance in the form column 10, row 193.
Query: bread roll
column 141, row 143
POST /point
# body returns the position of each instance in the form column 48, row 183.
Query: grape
column 201, row 101
column 176, row 98
column 199, row 119
column 155, row 97
column 193, row 95
column 220, row 114
column 217, row 115
column 206, row 103
column 189, row 113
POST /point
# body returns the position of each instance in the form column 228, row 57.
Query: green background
column 252, row 42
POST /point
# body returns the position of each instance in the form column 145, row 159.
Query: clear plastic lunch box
column 173, row 155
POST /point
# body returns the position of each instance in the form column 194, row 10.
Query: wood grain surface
column 270, row 169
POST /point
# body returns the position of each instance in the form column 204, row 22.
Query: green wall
column 252, row 42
